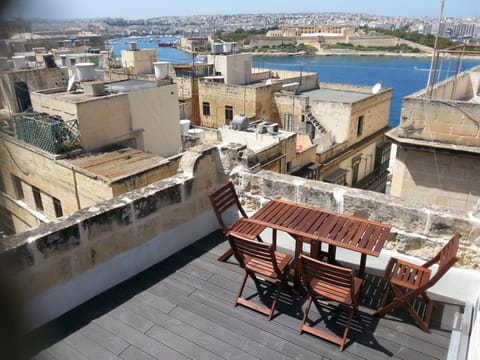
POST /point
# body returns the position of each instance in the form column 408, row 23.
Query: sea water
column 405, row 75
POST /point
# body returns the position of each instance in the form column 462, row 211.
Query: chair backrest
column 340, row 278
column 243, row 247
column 223, row 199
column 445, row 259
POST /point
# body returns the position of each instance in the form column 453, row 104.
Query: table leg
column 315, row 246
column 274, row 238
column 332, row 254
column 361, row 269
column 296, row 276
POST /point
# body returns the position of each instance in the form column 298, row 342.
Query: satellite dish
column 376, row 88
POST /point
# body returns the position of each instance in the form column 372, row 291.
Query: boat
column 166, row 44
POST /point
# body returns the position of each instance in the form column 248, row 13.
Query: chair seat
column 266, row 267
column 336, row 293
column 408, row 275
column 248, row 229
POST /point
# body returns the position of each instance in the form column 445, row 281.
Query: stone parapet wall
column 61, row 264
column 417, row 229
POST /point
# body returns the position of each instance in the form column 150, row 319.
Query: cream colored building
column 125, row 138
column 193, row 44
column 37, row 186
column 438, row 144
column 238, row 88
column 139, row 61
column 139, row 111
column 260, row 147
column 347, row 124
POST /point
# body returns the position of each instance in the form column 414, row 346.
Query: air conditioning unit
column 272, row 128
column 262, row 127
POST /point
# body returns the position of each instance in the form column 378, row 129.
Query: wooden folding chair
column 223, row 199
column 332, row 283
column 408, row 281
column 259, row 258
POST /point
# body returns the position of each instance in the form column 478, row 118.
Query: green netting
column 49, row 133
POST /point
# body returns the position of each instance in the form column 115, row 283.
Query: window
column 206, row 108
column 37, row 196
column 17, row 186
column 355, row 168
column 287, row 121
column 360, row 126
column 382, row 156
column 228, row 113
column 57, row 205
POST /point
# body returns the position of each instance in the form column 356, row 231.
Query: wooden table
column 308, row 224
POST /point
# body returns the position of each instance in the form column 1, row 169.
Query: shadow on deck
column 182, row 308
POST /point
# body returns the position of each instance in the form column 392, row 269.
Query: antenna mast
column 433, row 63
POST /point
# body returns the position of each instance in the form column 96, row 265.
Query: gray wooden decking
column 182, row 308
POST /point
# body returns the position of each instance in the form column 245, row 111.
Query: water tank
column 19, row 62
column 85, row 71
column 228, row 47
column 49, row 61
column 161, row 69
column 184, row 127
column 133, row 45
column 240, row 122
column 217, row 48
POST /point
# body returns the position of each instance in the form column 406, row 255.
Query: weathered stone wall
column 97, row 247
column 418, row 230
column 448, row 117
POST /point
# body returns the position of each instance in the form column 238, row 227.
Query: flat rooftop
column 183, row 308
column 79, row 96
column 118, row 164
column 340, row 96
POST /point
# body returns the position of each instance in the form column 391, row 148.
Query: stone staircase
column 310, row 117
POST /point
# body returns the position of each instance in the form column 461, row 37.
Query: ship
column 165, row 44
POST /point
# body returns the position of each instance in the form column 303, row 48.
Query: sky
column 144, row 9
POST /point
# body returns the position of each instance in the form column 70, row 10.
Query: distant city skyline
column 143, row 9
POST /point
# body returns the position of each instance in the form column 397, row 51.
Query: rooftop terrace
column 136, row 277
column 182, row 308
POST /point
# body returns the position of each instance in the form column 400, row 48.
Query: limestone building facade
column 438, row 144
column 347, row 124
